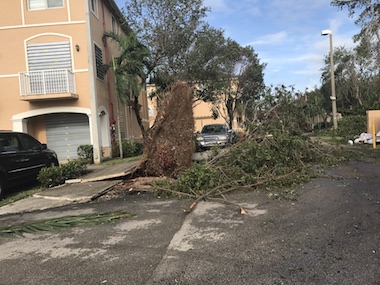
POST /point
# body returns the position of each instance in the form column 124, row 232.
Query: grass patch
column 19, row 196
column 333, row 139
column 124, row 160
column 63, row 223
column 364, row 152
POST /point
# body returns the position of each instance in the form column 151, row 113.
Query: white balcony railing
column 47, row 82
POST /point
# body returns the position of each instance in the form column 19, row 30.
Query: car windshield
column 213, row 129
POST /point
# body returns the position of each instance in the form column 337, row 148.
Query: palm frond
column 130, row 66
column 61, row 223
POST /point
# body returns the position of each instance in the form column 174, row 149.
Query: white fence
column 47, row 82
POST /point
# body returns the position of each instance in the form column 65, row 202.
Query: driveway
column 330, row 235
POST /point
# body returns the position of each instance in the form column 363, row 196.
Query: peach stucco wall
column 203, row 115
column 22, row 27
column 9, row 18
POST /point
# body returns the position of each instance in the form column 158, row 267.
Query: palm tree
column 129, row 69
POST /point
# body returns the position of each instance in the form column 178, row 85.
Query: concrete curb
column 60, row 196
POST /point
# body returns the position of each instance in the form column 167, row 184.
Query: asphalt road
column 330, row 235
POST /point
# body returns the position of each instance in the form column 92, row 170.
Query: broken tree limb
column 225, row 201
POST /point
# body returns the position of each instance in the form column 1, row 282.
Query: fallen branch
column 210, row 195
column 207, row 194
column 175, row 192
column 225, row 201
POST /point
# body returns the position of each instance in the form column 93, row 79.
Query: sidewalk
column 99, row 180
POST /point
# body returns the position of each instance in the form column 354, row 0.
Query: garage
column 65, row 132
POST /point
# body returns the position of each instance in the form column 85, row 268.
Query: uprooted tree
column 273, row 153
column 178, row 40
column 169, row 144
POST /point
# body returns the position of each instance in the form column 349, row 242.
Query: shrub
column 86, row 152
column 130, row 149
column 57, row 175
column 351, row 126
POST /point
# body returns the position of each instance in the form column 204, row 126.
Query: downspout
column 112, row 117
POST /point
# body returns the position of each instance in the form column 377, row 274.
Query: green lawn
column 114, row 161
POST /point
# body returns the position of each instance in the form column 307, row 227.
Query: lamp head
column 326, row 32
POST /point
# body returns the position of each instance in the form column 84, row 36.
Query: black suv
column 21, row 158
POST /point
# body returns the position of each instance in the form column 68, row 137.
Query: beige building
column 52, row 85
column 202, row 111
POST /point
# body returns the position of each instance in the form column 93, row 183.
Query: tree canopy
column 368, row 19
column 168, row 28
column 185, row 48
column 238, row 80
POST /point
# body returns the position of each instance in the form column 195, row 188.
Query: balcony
column 47, row 85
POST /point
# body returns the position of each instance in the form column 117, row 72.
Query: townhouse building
column 52, row 84
column 202, row 111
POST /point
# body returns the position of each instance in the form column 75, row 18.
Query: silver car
column 214, row 135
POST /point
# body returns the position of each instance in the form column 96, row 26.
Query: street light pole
column 333, row 96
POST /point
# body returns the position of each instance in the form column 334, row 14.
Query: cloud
column 271, row 39
column 307, row 57
column 290, row 43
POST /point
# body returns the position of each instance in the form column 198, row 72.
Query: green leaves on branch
column 368, row 14
column 168, row 28
column 198, row 179
column 283, row 160
column 129, row 67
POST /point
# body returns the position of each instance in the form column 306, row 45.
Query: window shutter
column 99, row 62
column 47, row 56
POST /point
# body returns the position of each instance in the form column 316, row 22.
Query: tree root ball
column 169, row 144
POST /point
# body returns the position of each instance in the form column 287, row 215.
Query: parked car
column 214, row 135
column 21, row 158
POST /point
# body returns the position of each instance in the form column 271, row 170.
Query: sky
column 286, row 35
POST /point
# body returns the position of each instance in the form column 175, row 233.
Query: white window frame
column 94, row 7
column 114, row 25
column 45, row 5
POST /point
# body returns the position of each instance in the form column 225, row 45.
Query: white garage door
column 65, row 132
